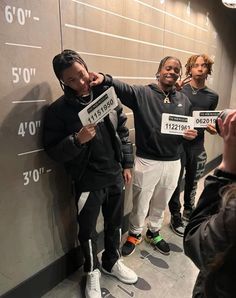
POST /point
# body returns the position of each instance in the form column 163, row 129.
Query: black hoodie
column 147, row 104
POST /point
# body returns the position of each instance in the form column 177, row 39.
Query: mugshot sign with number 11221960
column 176, row 124
column 99, row 108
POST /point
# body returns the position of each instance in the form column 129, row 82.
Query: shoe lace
column 93, row 281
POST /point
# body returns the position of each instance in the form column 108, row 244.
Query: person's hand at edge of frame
column 228, row 133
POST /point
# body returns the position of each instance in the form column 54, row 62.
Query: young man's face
column 77, row 78
column 199, row 70
column 169, row 72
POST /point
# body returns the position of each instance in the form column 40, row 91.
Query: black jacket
column 147, row 104
column 62, row 121
column 210, row 236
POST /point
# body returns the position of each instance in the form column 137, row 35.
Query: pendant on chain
column 194, row 91
column 166, row 100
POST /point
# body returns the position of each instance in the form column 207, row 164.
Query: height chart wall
column 125, row 38
column 32, row 202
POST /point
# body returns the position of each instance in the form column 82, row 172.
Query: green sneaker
column 158, row 242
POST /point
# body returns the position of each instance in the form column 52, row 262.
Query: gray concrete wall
column 125, row 38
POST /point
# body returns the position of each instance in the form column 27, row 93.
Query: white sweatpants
column 153, row 185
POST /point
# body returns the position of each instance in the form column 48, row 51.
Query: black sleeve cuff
column 76, row 141
column 220, row 173
column 107, row 79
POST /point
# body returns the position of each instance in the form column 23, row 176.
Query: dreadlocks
column 191, row 61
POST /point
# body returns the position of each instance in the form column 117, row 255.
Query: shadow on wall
column 36, row 202
column 63, row 212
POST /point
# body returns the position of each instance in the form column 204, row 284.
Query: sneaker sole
column 156, row 248
column 176, row 232
column 128, row 282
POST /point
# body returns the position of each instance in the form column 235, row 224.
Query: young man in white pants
column 157, row 164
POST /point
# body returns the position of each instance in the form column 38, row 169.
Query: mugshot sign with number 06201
column 99, row 108
column 204, row 118
column 176, row 124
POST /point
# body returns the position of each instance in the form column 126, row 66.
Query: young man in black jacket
column 194, row 155
column 210, row 236
column 95, row 156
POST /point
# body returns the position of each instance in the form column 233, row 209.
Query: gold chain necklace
column 166, row 99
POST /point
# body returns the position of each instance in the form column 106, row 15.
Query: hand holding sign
column 86, row 133
column 190, row 134
column 176, row 124
column 205, row 118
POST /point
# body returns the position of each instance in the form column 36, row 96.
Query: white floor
column 159, row 276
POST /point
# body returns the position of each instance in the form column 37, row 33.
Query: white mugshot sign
column 176, row 124
column 203, row 118
column 99, row 108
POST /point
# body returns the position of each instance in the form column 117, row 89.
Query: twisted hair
column 191, row 61
column 163, row 61
column 63, row 61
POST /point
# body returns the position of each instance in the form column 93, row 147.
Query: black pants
column 88, row 206
column 193, row 160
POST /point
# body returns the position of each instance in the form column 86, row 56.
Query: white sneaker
column 122, row 272
column 93, row 289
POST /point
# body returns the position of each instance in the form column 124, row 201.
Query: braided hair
column 63, row 61
column 162, row 63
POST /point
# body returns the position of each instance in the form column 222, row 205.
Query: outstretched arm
column 125, row 92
